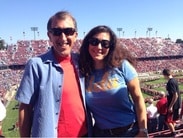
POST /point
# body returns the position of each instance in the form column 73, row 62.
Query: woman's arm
column 136, row 94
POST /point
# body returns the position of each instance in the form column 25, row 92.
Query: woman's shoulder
column 125, row 64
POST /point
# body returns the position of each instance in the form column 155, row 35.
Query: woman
column 110, row 78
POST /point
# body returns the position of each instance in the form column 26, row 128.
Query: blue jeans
column 161, row 123
column 152, row 125
column 131, row 132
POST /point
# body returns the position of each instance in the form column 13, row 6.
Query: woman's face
column 99, row 47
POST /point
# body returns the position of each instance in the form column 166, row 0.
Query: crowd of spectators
column 152, row 47
column 8, row 78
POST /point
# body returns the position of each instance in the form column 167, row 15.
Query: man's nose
column 63, row 36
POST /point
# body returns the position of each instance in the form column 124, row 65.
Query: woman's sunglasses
column 96, row 41
column 59, row 31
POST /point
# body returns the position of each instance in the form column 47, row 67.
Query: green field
column 161, row 80
column 9, row 121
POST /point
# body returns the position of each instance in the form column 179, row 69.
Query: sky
column 165, row 17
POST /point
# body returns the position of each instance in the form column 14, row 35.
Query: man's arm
column 174, row 99
column 25, row 120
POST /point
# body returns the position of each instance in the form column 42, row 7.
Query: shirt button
column 59, row 86
column 56, row 113
column 58, row 101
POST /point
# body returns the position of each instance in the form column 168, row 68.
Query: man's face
column 62, row 36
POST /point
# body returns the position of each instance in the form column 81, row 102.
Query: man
column 162, row 110
column 52, row 90
column 152, row 116
column 174, row 100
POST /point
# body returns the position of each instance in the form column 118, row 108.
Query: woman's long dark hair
column 114, row 58
column 120, row 53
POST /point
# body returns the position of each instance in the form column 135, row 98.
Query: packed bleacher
column 154, row 54
column 152, row 47
column 19, row 53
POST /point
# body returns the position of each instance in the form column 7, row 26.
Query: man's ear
column 48, row 34
column 76, row 35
